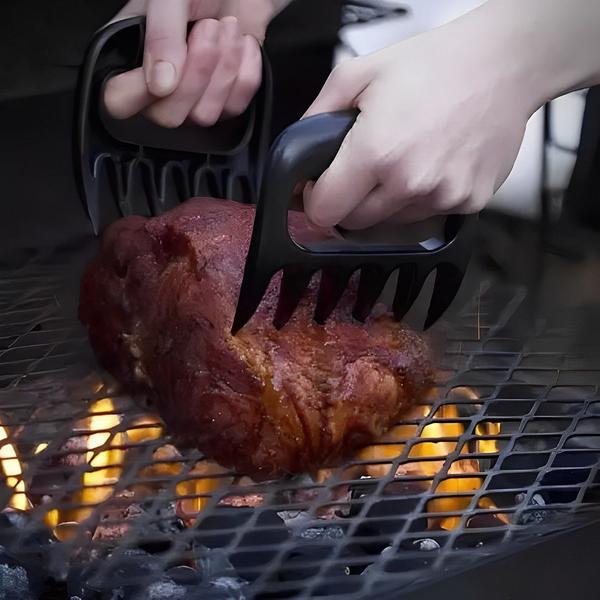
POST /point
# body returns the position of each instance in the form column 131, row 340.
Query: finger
column 419, row 210
column 210, row 107
column 342, row 88
column 341, row 188
column 127, row 94
column 248, row 80
column 132, row 9
column 203, row 55
column 165, row 46
column 377, row 206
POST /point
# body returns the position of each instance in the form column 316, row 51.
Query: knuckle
column 452, row 195
column 418, row 184
column 204, row 62
column 164, row 117
column 200, row 48
column 156, row 37
column 375, row 157
column 476, row 204
column 198, row 33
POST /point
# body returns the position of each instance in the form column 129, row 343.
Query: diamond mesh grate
column 98, row 504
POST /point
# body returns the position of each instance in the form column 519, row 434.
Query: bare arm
column 443, row 114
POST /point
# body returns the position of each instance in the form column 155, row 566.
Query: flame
column 145, row 429
column 105, row 454
column 194, row 493
column 428, row 454
column 104, row 457
column 432, row 447
column 13, row 473
column 106, row 465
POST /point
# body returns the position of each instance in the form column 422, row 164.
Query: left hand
column 212, row 74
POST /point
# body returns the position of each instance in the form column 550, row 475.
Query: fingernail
column 163, row 78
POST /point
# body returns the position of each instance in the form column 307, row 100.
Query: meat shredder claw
column 302, row 153
column 134, row 166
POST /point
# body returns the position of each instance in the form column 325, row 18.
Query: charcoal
column 305, row 561
column 133, row 566
column 307, row 558
column 229, row 587
column 534, row 516
column 15, row 518
column 164, row 517
column 322, row 533
column 217, row 529
column 165, row 589
column 20, row 530
column 14, row 583
column 21, row 556
column 302, row 524
column 114, row 577
column 160, row 524
column 426, row 545
column 78, row 580
column 214, row 563
column 183, row 575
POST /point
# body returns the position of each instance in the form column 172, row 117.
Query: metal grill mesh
column 473, row 471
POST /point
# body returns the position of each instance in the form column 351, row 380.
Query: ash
column 14, row 583
column 232, row 585
column 164, row 590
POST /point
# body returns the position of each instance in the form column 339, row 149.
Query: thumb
column 342, row 89
column 165, row 46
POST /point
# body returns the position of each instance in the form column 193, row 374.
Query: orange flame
column 106, row 449
column 106, row 452
column 13, row 474
column 195, row 491
column 105, row 456
column 428, row 455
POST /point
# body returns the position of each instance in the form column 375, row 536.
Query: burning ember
column 12, row 471
column 430, row 450
column 426, row 452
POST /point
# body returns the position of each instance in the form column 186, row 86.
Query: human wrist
column 253, row 16
column 503, row 54
column 554, row 47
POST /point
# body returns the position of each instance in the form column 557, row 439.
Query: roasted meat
column 158, row 303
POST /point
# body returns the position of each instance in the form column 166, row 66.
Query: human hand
column 213, row 74
column 440, row 125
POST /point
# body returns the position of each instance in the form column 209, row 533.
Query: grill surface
column 526, row 450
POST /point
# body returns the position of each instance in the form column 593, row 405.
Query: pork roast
column 158, row 303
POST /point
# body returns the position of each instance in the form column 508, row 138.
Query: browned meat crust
column 158, row 303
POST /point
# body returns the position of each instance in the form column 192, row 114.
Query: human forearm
column 550, row 46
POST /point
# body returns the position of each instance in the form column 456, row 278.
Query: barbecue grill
column 490, row 487
column 497, row 471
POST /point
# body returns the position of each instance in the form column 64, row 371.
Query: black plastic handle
column 133, row 166
column 301, row 153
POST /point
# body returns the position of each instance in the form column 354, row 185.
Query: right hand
column 439, row 129
column 213, row 74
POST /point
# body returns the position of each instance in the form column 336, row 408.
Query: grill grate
column 515, row 454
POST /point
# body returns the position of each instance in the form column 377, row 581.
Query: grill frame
column 53, row 279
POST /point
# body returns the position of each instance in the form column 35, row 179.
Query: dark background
column 42, row 44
